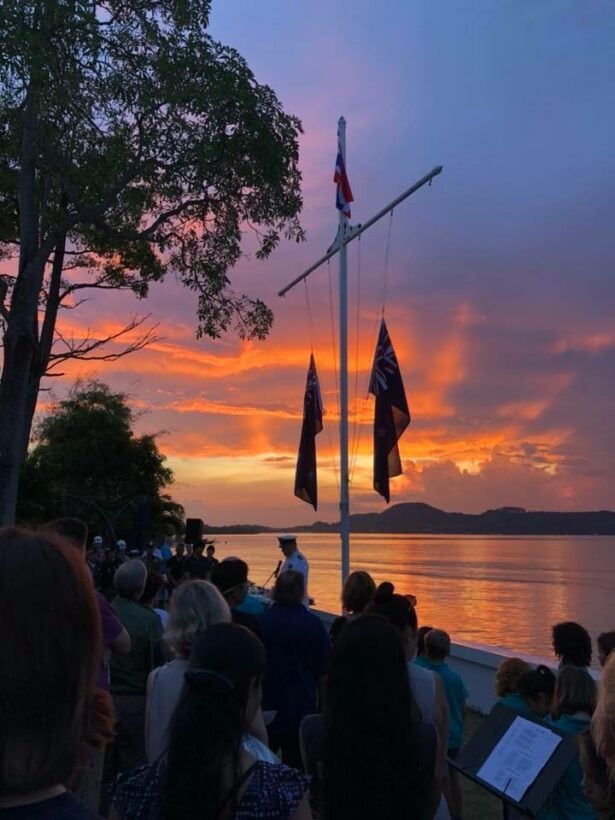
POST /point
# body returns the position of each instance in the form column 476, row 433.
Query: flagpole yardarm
column 353, row 233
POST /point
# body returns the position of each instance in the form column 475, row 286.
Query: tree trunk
column 21, row 336
column 19, row 345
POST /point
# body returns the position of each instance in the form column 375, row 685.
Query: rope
column 385, row 269
column 381, row 304
column 309, row 314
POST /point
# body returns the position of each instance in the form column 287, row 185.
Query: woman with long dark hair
column 427, row 688
column 207, row 772
column 377, row 761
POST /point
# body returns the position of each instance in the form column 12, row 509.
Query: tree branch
column 90, row 349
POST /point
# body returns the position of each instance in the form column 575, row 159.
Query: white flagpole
column 343, row 365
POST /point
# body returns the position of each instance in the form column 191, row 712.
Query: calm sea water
column 499, row 590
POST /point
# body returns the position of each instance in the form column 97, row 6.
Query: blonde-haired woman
column 195, row 606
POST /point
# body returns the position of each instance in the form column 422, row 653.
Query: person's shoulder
column 279, row 785
column 137, row 789
column 454, row 675
column 420, row 672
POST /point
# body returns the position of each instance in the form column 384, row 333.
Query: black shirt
column 176, row 567
column 197, row 566
column 251, row 622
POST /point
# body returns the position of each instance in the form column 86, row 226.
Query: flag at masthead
column 392, row 415
column 305, row 477
column 343, row 195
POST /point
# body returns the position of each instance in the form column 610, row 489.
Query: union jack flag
column 392, row 415
column 343, row 196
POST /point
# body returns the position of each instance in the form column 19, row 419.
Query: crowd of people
column 146, row 685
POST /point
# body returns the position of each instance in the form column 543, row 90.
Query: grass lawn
column 478, row 804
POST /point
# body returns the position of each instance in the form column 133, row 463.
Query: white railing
column 476, row 663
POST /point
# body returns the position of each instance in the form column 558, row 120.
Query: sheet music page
column 519, row 757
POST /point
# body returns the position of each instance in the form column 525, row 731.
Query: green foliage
column 153, row 148
column 86, row 459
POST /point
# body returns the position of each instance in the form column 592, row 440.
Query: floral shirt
column 273, row 793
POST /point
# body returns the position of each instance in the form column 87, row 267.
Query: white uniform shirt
column 298, row 562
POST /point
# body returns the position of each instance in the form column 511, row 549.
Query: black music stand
column 473, row 755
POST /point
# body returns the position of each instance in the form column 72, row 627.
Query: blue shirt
column 251, row 606
column 63, row 807
column 568, row 800
column 297, row 648
column 456, row 695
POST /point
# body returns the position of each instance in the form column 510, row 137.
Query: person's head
column 575, row 691
column 74, row 530
column 398, row 610
column 220, row 698
column 189, row 550
column 231, row 578
column 154, row 582
column 420, row 640
column 198, row 548
column 368, row 725
column 571, row 643
column 289, row 588
column 97, row 542
column 210, row 551
column 536, row 687
column 603, row 721
column 359, row 589
column 180, row 549
column 437, row 645
column 288, row 544
column 129, row 579
column 49, row 659
column 606, row 644
column 195, row 606
column 121, row 546
column 507, row 676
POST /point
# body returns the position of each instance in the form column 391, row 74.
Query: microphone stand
column 275, row 574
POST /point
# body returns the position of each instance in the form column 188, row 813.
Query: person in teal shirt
column 437, row 649
column 573, row 704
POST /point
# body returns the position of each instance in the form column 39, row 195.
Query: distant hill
column 421, row 518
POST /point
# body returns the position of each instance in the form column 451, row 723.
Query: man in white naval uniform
column 293, row 559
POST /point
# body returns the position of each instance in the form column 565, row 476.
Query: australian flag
column 392, row 415
column 343, row 196
column 305, row 477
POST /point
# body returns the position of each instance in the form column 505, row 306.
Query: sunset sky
column 501, row 280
